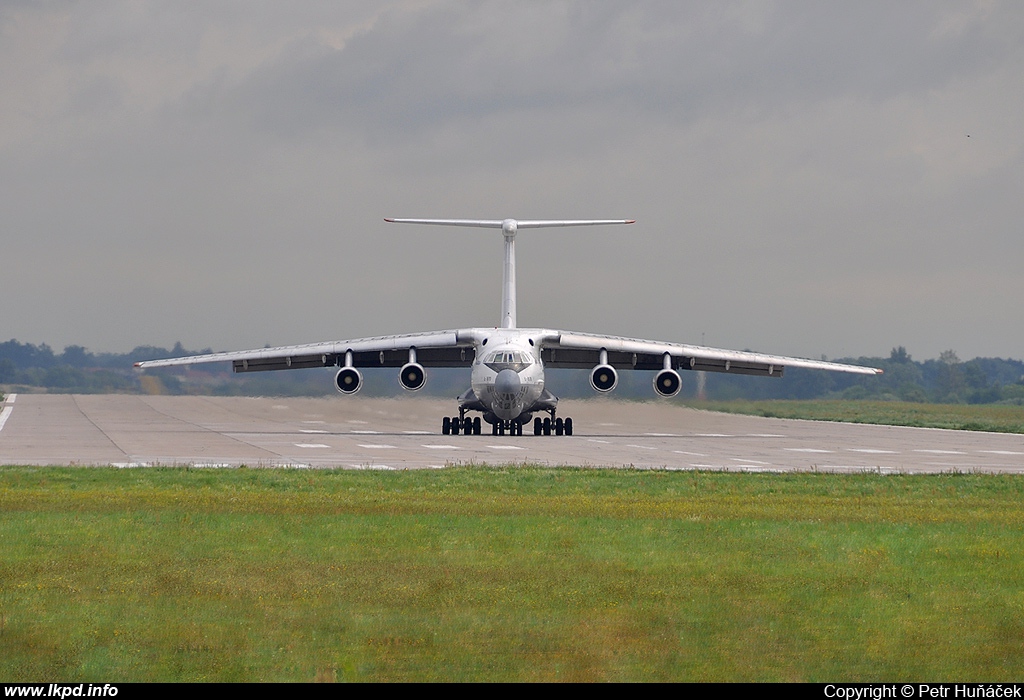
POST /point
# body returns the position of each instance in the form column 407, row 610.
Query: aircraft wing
column 583, row 351
column 435, row 349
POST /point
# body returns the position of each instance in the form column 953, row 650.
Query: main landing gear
column 549, row 425
column 461, row 425
column 465, row 426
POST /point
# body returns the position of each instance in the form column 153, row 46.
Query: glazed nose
column 507, row 382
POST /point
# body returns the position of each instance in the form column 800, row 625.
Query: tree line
column 946, row 379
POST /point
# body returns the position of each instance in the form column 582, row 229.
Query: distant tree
column 899, row 355
column 950, row 382
column 76, row 356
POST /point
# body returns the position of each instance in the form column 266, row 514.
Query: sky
column 808, row 178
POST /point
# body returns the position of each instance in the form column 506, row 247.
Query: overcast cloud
column 808, row 178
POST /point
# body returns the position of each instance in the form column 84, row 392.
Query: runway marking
column 11, row 398
column 642, row 447
column 315, row 445
column 313, row 422
column 603, row 442
column 1000, row 452
column 4, row 415
column 806, row 449
column 442, row 447
column 357, row 422
column 661, row 434
column 748, row 461
column 691, row 454
column 365, row 432
column 713, row 435
column 873, row 452
column 378, row 447
column 416, row 432
column 317, row 432
column 942, row 452
column 504, row 447
column 764, row 435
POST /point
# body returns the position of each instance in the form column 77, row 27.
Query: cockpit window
column 508, row 359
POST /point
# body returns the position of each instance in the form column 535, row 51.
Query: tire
column 446, row 426
column 476, row 425
column 538, row 426
column 568, row 426
column 559, row 426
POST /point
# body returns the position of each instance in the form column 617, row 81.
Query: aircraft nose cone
column 507, row 382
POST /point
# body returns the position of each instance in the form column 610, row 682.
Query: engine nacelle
column 413, row 376
column 604, row 378
column 348, row 380
column 667, row 383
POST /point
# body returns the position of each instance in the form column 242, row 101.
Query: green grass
column 514, row 574
column 990, row 417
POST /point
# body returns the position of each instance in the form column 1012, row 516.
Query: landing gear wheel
column 467, row 426
column 547, row 426
column 538, row 426
column 446, row 426
column 494, row 428
column 456, row 426
column 559, row 426
column 476, row 425
column 568, row 426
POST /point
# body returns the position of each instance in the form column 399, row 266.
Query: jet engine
column 412, row 376
column 348, row 380
column 667, row 383
column 604, row 378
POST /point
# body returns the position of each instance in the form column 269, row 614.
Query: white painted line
column 357, row 422
column 315, row 445
column 713, row 435
column 642, row 447
column 4, row 415
column 691, row 454
column 11, row 398
column 661, row 434
column 378, row 447
column 313, row 422
column 314, row 432
column 504, row 447
column 441, row 447
column 417, row 432
column 749, row 461
column 365, row 432
column 603, row 442
column 873, row 452
column 942, row 452
column 806, row 449
column 1001, row 452
column 764, row 435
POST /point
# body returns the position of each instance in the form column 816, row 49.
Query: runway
column 404, row 433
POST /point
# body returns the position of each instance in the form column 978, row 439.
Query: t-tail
column 509, row 228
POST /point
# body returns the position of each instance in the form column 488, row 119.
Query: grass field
column 515, row 574
column 991, row 417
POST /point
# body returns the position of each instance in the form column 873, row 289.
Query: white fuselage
column 508, row 374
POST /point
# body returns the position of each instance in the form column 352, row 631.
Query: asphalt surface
column 405, row 433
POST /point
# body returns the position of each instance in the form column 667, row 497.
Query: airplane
column 507, row 362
